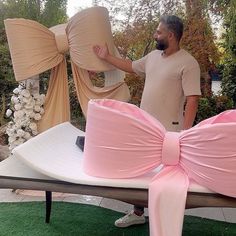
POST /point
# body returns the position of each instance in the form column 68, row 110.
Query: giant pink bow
column 123, row 141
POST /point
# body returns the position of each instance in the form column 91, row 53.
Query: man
column 172, row 80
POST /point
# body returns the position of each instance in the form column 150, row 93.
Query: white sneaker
column 130, row 219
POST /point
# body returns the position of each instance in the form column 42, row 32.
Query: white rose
column 29, row 106
column 36, row 96
column 25, row 93
column 17, row 107
column 41, row 111
column 24, row 122
column 34, row 132
column 11, row 139
column 42, row 97
column 33, row 126
column 28, row 100
column 16, row 91
column 9, row 131
column 14, row 100
column 21, row 86
column 37, row 116
column 17, row 124
column 27, row 135
column 29, row 113
column 20, row 133
column 8, row 112
column 19, row 141
column 18, row 114
column 38, row 102
column 32, row 114
column 12, row 146
column 14, row 128
column 37, row 108
column 21, row 98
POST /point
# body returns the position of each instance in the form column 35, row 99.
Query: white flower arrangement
column 25, row 110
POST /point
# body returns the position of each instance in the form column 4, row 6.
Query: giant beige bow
column 35, row 49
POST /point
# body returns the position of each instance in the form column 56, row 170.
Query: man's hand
column 101, row 51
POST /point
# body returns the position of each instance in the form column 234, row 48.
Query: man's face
column 161, row 37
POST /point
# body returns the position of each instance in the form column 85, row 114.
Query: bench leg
column 48, row 205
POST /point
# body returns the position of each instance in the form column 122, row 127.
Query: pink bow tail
column 167, row 198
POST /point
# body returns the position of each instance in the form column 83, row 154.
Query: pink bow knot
column 171, row 148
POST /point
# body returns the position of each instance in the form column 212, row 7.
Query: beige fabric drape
column 35, row 49
column 85, row 90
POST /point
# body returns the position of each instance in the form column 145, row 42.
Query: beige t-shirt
column 168, row 81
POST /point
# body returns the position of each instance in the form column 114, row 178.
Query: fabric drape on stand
column 85, row 90
column 35, row 49
column 57, row 104
column 123, row 141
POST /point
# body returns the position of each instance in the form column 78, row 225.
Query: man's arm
column 122, row 64
column 190, row 111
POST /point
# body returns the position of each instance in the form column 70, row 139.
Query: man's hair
column 174, row 24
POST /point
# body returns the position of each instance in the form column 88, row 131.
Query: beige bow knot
column 61, row 38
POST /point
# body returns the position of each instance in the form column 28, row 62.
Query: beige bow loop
column 82, row 40
column 33, row 48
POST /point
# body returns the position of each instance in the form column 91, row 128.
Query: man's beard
column 161, row 44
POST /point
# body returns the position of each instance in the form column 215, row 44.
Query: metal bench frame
column 129, row 195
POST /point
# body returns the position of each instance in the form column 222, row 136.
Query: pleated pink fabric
column 35, row 49
column 123, row 141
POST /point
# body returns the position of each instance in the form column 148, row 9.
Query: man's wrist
column 108, row 58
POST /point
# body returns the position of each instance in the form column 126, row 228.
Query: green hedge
column 212, row 106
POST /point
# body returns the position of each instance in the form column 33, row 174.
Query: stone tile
column 229, row 214
column 146, row 211
column 32, row 198
column 34, row 193
column 116, row 205
column 84, row 199
column 7, row 195
column 207, row 212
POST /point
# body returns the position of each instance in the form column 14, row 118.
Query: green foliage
column 229, row 80
column 229, row 72
column 54, row 13
column 47, row 12
column 7, row 82
column 230, row 27
column 212, row 106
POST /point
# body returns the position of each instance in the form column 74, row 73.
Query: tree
column 54, row 13
column 134, row 22
column 199, row 39
column 229, row 73
column 6, row 74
